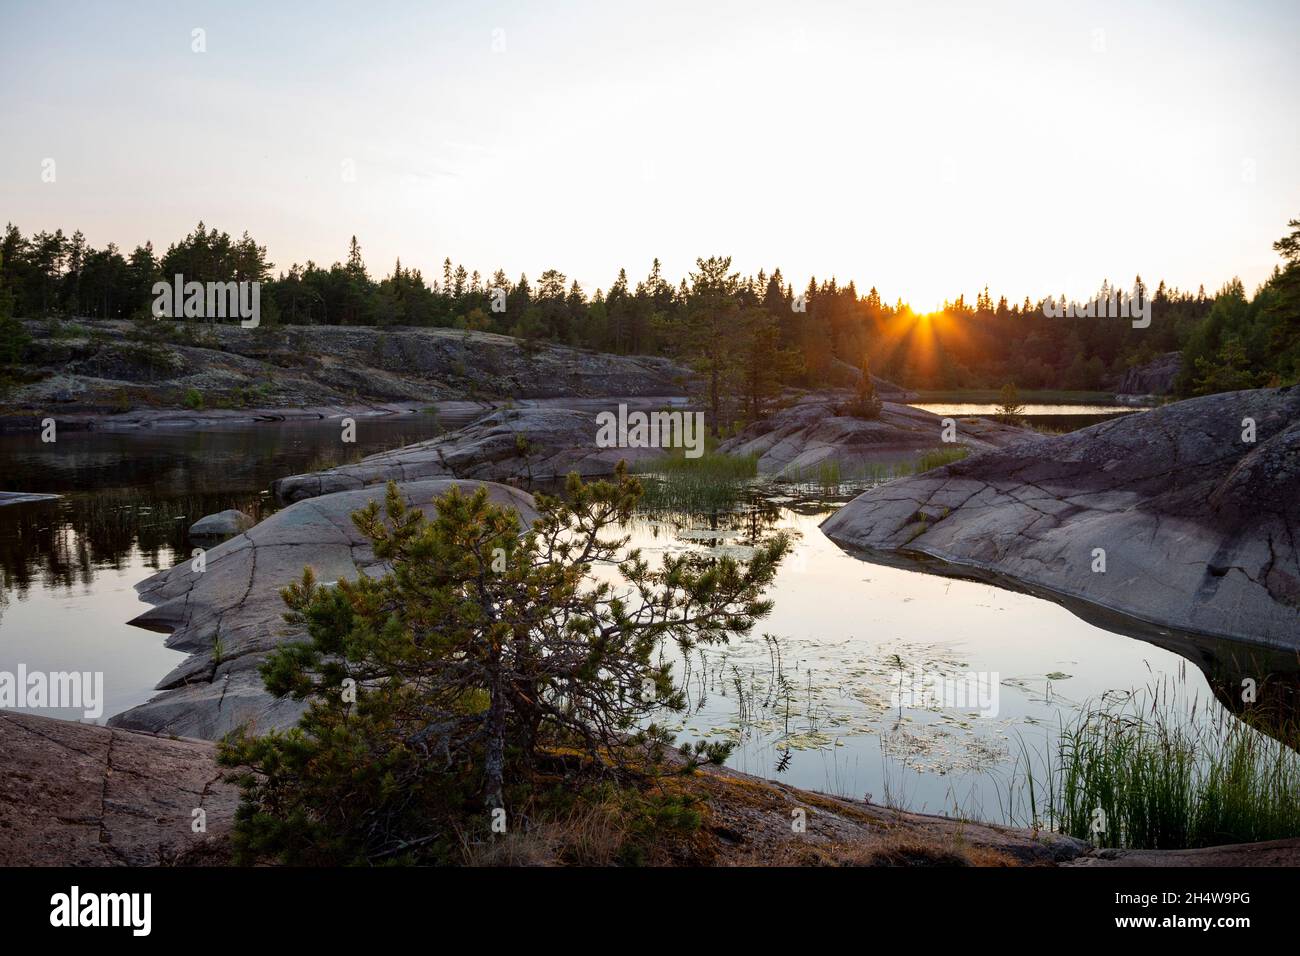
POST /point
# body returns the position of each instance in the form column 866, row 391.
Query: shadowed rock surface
column 83, row 795
column 103, row 368
column 511, row 444
column 1198, row 526
column 841, row 374
column 229, row 615
column 794, row 442
column 1270, row 853
column 1154, row 378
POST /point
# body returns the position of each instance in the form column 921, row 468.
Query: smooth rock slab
column 513, row 444
column 1199, row 528
column 796, row 441
column 230, row 615
column 20, row 497
column 223, row 524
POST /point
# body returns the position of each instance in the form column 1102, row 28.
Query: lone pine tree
column 435, row 688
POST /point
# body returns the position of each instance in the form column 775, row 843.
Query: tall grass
column 712, row 482
column 1150, row 771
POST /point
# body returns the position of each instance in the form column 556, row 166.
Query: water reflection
column 811, row 702
column 68, row 566
column 135, row 494
column 809, row 696
column 1060, row 418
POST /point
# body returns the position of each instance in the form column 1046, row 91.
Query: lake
column 813, row 704
column 1048, row 417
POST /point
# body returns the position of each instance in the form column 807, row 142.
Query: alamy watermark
column 922, row 689
column 179, row 299
column 74, row 908
column 1117, row 305
column 34, row 690
column 651, row 430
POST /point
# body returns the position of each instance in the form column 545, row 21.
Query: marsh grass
column 712, row 482
column 1152, row 771
column 938, row 457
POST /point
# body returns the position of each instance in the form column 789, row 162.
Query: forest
column 751, row 335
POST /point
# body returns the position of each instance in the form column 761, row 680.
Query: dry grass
column 590, row 834
column 893, row 850
column 737, row 821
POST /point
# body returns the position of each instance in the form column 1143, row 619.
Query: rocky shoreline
column 228, row 614
column 815, row 431
column 113, row 374
column 83, row 795
column 1177, row 500
column 1171, row 517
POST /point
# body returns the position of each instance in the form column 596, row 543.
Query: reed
column 1149, row 771
column 712, row 482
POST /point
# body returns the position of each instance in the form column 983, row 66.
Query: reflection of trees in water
column 143, row 489
column 63, row 543
column 750, row 522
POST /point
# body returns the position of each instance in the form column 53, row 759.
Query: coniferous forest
column 766, row 330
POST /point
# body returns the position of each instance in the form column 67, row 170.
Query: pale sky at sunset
column 925, row 148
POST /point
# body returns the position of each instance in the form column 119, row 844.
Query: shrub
column 437, row 688
column 866, row 403
column 1009, row 404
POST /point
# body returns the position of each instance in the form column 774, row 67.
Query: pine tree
column 436, row 688
column 866, row 403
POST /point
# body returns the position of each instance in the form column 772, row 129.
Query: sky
column 928, row 149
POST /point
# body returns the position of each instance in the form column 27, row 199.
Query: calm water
column 1054, row 417
column 68, row 567
column 811, row 706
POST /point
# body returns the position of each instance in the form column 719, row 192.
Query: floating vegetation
column 775, row 705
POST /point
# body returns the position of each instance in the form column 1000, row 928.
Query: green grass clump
column 938, row 457
column 1145, row 772
column 711, row 482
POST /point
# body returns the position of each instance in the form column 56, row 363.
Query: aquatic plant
column 711, row 482
column 1149, row 770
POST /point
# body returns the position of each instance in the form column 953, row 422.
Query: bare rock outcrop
column 796, row 441
column 223, row 524
column 110, row 369
column 1197, row 524
column 84, row 795
column 841, row 374
column 1156, row 377
column 228, row 615
column 511, row 444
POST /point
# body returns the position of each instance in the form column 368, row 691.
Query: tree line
column 750, row 335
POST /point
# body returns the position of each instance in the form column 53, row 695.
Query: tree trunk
column 713, row 397
column 495, row 761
